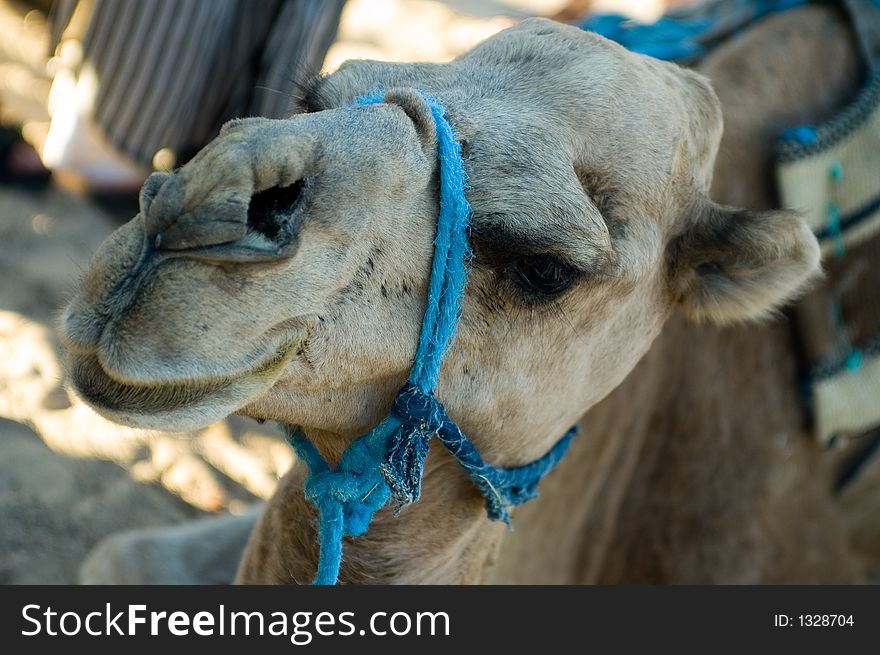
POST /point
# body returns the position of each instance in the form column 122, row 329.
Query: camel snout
column 269, row 233
column 172, row 225
column 237, row 199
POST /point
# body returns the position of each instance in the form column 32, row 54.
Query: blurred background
column 68, row 477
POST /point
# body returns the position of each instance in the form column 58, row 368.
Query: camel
column 281, row 274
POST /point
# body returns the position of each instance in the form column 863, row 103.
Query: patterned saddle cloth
column 831, row 173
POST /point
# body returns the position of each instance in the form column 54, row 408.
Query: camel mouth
column 175, row 405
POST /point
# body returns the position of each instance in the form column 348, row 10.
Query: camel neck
column 446, row 537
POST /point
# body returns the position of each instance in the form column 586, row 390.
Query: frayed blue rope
column 451, row 255
column 388, row 462
column 501, row 487
column 349, row 495
column 451, row 252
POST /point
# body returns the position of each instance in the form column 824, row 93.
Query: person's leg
column 145, row 85
column 294, row 51
column 131, row 89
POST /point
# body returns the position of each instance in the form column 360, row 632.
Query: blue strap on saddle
column 388, row 462
column 687, row 35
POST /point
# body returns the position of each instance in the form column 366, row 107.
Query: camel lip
column 276, row 345
column 174, row 405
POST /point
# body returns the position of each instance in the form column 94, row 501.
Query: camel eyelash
column 308, row 97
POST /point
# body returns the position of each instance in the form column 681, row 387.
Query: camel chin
column 173, row 406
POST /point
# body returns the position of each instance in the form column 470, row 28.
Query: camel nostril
column 269, row 233
column 271, row 212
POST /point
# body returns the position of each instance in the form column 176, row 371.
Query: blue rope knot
column 420, row 417
column 412, row 405
column 355, row 493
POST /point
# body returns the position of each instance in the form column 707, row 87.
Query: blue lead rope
column 388, row 462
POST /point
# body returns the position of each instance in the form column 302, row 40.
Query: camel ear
column 413, row 103
column 739, row 264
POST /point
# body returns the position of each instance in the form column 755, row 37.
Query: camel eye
column 544, row 274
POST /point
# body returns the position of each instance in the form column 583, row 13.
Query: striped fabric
column 171, row 72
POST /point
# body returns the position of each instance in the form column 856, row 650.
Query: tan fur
column 699, row 468
column 575, row 147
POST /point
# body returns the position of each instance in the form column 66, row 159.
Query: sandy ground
column 67, row 477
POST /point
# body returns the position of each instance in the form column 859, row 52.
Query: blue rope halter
column 388, row 462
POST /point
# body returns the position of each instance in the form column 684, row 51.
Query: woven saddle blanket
column 829, row 172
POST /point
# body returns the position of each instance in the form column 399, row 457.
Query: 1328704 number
column 825, row 620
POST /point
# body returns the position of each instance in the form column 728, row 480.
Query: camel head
column 283, row 272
